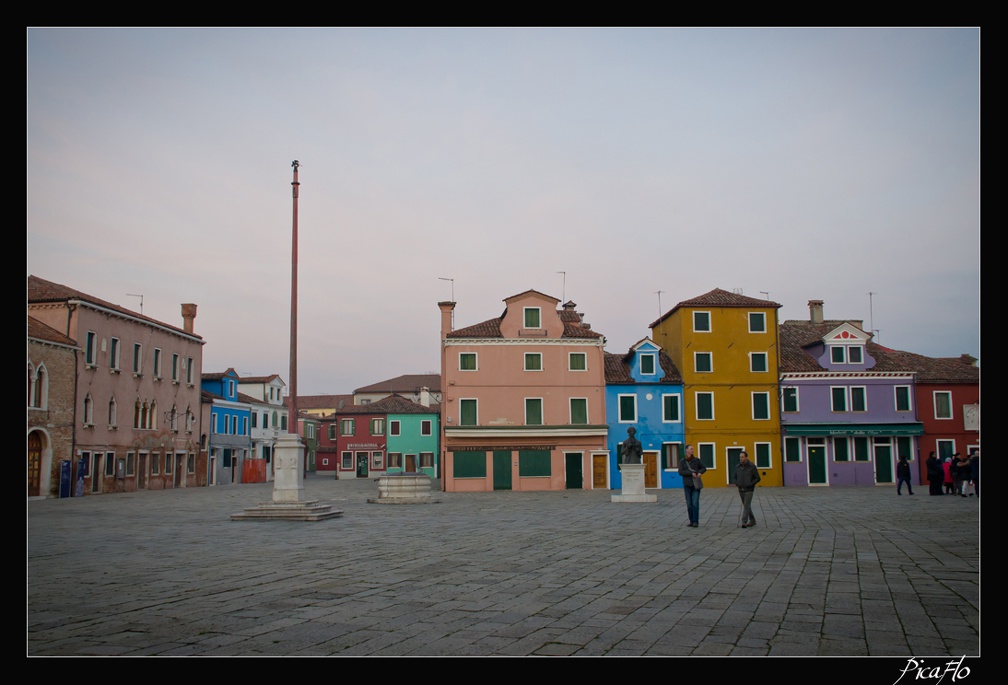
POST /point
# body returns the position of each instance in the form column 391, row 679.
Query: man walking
column 746, row 477
column 903, row 475
column 691, row 469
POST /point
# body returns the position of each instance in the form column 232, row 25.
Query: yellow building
column 725, row 345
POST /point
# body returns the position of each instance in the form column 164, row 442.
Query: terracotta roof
column 407, row 383
column 261, row 379
column 393, row 404
column 219, row 375
column 323, row 401
column 41, row 331
column 574, row 326
column 617, row 369
column 961, row 369
column 719, row 298
column 41, row 291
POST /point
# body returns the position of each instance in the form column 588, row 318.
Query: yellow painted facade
column 730, row 376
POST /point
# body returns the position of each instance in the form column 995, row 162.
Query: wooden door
column 599, row 472
column 650, row 469
column 34, row 463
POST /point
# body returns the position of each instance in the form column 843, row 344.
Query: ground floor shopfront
column 848, row 454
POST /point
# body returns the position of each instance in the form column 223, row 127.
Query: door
column 362, row 470
column 180, row 469
column 96, row 473
column 817, row 464
column 502, row 470
column 599, row 471
column 142, row 471
column 34, row 463
column 573, row 471
column 884, row 462
column 411, row 463
column 650, row 460
column 733, row 461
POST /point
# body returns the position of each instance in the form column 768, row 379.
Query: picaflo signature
column 922, row 671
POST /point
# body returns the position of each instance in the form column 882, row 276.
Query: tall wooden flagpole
column 292, row 421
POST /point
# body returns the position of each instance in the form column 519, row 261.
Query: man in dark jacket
column 691, row 467
column 746, row 477
column 903, row 475
column 935, row 474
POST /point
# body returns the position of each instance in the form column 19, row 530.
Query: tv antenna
column 563, row 297
column 141, row 300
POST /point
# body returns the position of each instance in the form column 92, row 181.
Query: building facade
column 52, row 374
column 229, row 432
column 137, row 396
column 523, row 398
column 725, row 346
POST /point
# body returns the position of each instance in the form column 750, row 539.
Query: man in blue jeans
column 690, row 466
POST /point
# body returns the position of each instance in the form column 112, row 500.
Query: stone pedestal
column 288, row 488
column 633, row 485
column 403, row 488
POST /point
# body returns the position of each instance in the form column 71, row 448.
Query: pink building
column 523, row 404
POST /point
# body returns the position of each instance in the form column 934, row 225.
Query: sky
column 623, row 169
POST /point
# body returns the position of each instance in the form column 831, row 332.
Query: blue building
column 644, row 390
column 229, row 434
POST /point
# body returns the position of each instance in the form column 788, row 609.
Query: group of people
column 691, row 468
column 957, row 475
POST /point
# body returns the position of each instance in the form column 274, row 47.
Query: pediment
column 847, row 334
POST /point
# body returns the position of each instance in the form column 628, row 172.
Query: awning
column 857, row 429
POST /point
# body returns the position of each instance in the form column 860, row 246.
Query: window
column 837, row 354
column 533, row 361
column 110, row 464
column 670, row 409
column 393, row 429
column 534, row 463
column 88, row 410
column 467, row 413
column 790, row 399
column 395, row 460
column 757, row 362
column 168, row 464
column 346, row 459
column 855, row 355
column 841, row 449
column 703, row 362
column 792, row 449
column 671, row 453
column 310, row 430
column 137, row 359
column 904, row 448
column 38, row 387
column 859, row 398
column 245, row 425
column 377, row 460
column 191, row 463
column 157, row 363
column 533, row 411
column 347, row 427
column 761, row 406
column 255, row 420
column 701, row 322
column 377, row 426
column 467, row 361
column 426, row 460
column 175, row 368
column 113, row 413
column 426, row 427
column 705, row 452
column 705, row 406
column 944, row 448
column 190, row 370
column 130, row 469
column 861, row 449
column 757, row 322
column 763, row 460
column 155, row 463
column 577, row 361
column 90, row 348
column 579, row 410
column 942, row 404
column 114, row 354
column 627, row 408
column 213, row 423
column 469, row 465
column 647, row 364
column 190, row 420
column 532, row 317
column 902, row 398
column 234, row 425
column 265, row 420
column 838, row 399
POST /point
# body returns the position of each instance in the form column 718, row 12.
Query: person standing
column 947, row 476
column 962, row 473
column 903, row 475
column 691, row 469
column 934, row 475
column 746, row 477
column 975, row 472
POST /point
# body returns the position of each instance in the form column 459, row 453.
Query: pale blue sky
column 803, row 163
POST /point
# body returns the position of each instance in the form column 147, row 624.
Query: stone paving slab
column 825, row 572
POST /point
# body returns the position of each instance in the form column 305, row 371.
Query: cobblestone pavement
column 841, row 572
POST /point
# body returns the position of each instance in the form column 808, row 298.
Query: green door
column 574, row 471
column 733, row 461
column 883, row 463
column 502, row 470
column 817, row 464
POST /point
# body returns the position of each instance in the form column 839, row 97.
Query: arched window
column 88, row 410
column 190, row 420
column 137, row 414
column 174, row 419
column 152, row 421
column 38, row 386
column 112, row 412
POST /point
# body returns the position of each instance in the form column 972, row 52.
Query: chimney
column 968, row 359
column 446, row 317
column 188, row 314
column 815, row 311
column 425, row 397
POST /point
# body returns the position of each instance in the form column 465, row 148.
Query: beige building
column 52, row 373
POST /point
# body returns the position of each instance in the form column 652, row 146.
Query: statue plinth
column 633, row 485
